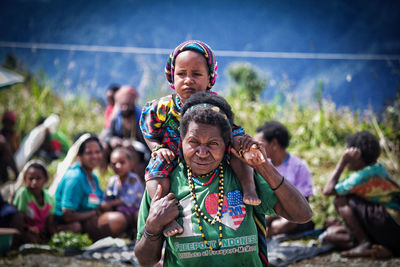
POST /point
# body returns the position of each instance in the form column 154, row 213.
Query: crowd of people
column 186, row 174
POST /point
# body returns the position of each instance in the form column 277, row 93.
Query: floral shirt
column 373, row 183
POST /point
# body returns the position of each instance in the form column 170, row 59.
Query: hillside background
column 352, row 47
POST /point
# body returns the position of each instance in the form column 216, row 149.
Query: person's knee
column 115, row 222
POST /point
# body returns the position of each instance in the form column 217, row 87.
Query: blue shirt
column 76, row 192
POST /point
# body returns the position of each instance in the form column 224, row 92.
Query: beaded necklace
column 200, row 214
column 205, row 175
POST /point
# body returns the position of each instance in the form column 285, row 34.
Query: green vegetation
column 318, row 130
column 70, row 240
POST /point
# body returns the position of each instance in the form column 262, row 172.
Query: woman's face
column 191, row 74
column 203, row 147
column 91, row 156
column 35, row 179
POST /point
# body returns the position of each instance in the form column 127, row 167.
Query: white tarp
column 8, row 77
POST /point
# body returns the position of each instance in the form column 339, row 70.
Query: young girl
column 190, row 68
column 34, row 201
column 124, row 191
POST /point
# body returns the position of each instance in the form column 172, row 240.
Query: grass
column 318, row 130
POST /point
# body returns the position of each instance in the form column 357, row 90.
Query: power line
column 219, row 53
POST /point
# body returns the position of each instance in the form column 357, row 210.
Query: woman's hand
column 164, row 154
column 250, row 151
column 162, row 211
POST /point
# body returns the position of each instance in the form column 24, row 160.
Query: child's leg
column 245, row 175
column 172, row 228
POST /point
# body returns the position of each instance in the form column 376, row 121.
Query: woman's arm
column 162, row 211
column 349, row 153
column 291, row 204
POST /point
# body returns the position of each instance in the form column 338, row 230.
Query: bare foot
column 380, row 252
column 172, row 228
column 362, row 250
column 250, row 197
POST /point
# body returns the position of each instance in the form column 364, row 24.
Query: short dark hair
column 208, row 116
column 82, row 147
column 275, row 129
column 368, row 145
column 113, row 87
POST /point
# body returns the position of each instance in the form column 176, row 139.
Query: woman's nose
column 202, row 151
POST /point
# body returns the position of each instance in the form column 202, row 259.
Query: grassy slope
column 318, row 130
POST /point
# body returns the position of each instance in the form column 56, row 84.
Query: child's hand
column 164, row 154
column 250, row 151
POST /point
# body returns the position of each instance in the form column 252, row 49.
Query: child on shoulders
column 191, row 68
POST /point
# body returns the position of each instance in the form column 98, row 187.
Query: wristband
column 150, row 236
column 283, row 179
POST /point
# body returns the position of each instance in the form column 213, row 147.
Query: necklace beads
column 199, row 214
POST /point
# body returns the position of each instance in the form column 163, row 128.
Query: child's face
column 120, row 164
column 191, row 74
column 35, row 179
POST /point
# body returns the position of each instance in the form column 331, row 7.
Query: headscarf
column 63, row 166
column 197, row 46
column 21, row 175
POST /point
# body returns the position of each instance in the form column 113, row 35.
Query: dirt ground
column 331, row 260
column 334, row 260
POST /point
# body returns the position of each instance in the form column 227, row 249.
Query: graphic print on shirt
column 232, row 214
column 233, row 208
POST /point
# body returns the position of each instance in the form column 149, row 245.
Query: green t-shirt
column 36, row 214
column 239, row 247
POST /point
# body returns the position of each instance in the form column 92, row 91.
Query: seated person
column 275, row 137
column 109, row 112
column 140, row 159
column 34, row 201
column 8, row 145
column 79, row 199
column 124, row 190
column 124, row 125
column 54, row 145
column 11, row 217
column 368, row 200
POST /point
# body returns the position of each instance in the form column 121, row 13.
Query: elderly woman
column 206, row 197
column 79, row 198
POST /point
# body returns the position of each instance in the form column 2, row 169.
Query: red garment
column 108, row 116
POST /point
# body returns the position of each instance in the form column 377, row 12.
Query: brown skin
column 352, row 160
column 203, row 150
column 34, row 180
column 94, row 222
column 275, row 225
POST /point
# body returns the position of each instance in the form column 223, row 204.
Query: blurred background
column 345, row 51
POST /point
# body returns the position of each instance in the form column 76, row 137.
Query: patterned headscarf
column 197, row 46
